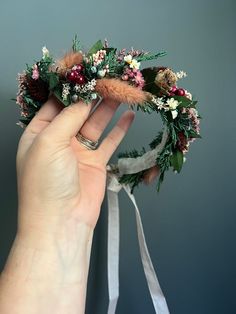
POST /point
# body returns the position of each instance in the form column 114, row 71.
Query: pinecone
column 38, row 89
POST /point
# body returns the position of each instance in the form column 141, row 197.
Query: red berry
column 80, row 79
column 79, row 67
column 72, row 76
column 180, row 92
column 173, row 89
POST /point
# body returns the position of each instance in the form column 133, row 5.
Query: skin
column 61, row 186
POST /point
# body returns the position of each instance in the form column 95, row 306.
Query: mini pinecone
column 38, row 90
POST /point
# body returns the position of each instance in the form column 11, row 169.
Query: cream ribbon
column 125, row 166
column 158, row 299
column 146, row 161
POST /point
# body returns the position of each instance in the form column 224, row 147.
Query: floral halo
column 105, row 72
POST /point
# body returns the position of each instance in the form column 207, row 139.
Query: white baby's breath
column 181, row 74
column 65, row 91
column 158, row 101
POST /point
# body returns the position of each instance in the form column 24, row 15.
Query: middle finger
column 99, row 119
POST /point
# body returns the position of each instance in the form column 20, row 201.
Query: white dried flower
column 174, row 113
column 45, row 52
column 65, row 91
column 188, row 95
column 181, row 74
column 159, row 102
column 172, row 103
column 93, row 82
column 133, row 63
column 128, row 58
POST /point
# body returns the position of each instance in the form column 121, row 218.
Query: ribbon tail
column 158, row 299
column 113, row 244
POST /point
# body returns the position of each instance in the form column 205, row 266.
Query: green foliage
column 96, row 47
column 147, row 107
column 76, row 44
column 43, row 66
column 53, row 80
column 115, row 68
column 133, row 179
column 110, row 49
column 58, row 92
column 156, row 141
column 148, row 57
column 163, row 162
column 176, row 160
column 149, row 75
column 193, row 134
column 185, row 102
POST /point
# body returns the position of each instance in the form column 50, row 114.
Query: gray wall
column 190, row 225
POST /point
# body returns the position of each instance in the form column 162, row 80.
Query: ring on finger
column 92, row 145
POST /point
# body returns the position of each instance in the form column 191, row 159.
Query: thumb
column 68, row 122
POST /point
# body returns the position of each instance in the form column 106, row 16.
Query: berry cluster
column 177, row 91
column 76, row 75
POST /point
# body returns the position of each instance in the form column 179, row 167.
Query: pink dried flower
column 120, row 55
column 20, row 100
column 193, row 115
column 98, row 57
column 137, row 53
column 24, row 113
column 22, row 78
column 35, row 74
column 139, row 79
column 135, row 76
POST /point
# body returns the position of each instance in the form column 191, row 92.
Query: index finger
column 45, row 115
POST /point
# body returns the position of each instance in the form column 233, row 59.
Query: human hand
column 61, row 186
column 59, row 179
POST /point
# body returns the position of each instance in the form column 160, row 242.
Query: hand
column 59, row 179
column 61, row 186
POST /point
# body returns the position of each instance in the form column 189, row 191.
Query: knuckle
column 75, row 109
column 69, row 110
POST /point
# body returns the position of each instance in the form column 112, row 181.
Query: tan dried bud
column 165, row 78
column 151, row 174
column 68, row 60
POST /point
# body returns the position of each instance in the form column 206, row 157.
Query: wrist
column 47, row 273
column 63, row 256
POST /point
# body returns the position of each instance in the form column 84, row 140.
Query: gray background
column 190, row 224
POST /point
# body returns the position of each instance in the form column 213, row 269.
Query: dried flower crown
column 106, row 72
